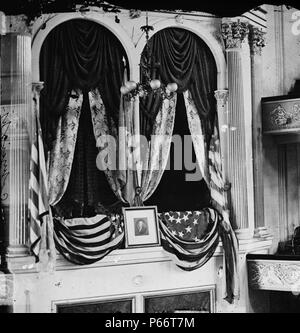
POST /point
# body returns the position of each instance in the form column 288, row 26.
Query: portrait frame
column 141, row 226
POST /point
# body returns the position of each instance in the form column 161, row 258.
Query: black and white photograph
column 141, row 226
column 150, row 158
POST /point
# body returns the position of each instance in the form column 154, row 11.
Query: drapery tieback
column 137, row 199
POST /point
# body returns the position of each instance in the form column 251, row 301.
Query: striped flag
column 217, row 182
column 40, row 218
column 84, row 241
column 187, row 252
column 220, row 202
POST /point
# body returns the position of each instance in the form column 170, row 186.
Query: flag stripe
column 40, row 237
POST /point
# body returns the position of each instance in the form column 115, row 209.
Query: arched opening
column 77, row 57
column 180, row 56
column 206, row 35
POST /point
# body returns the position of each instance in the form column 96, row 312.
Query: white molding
column 21, row 265
column 204, row 32
column 138, row 299
column 137, row 273
column 200, row 28
column 39, row 35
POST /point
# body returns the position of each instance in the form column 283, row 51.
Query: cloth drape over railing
column 193, row 253
column 84, row 241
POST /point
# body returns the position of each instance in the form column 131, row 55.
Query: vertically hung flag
column 220, row 202
column 40, row 217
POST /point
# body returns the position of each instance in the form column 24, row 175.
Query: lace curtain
column 114, row 145
column 198, row 138
column 61, row 156
column 157, row 152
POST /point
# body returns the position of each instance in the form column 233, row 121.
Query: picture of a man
column 141, row 226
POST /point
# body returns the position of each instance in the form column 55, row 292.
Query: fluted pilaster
column 238, row 129
column 16, row 101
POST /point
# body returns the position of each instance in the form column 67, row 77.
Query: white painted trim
column 205, row 33
column 39, row 35
column 138, row 299
column 120, row 257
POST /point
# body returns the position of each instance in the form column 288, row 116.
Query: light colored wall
column 281, row 67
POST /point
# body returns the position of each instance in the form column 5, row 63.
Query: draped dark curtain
column 180, row 56
column 79, row 54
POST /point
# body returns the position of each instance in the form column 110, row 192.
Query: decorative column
column 16, row 102
column 239, row 131
column 257, row 42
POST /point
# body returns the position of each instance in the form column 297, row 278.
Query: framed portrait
column 141, row 226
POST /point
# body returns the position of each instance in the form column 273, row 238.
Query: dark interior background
column 173, row 191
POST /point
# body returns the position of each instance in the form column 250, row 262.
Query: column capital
column 37, row 87
column 234, row 33
column 256, row 40
column 221, row 96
